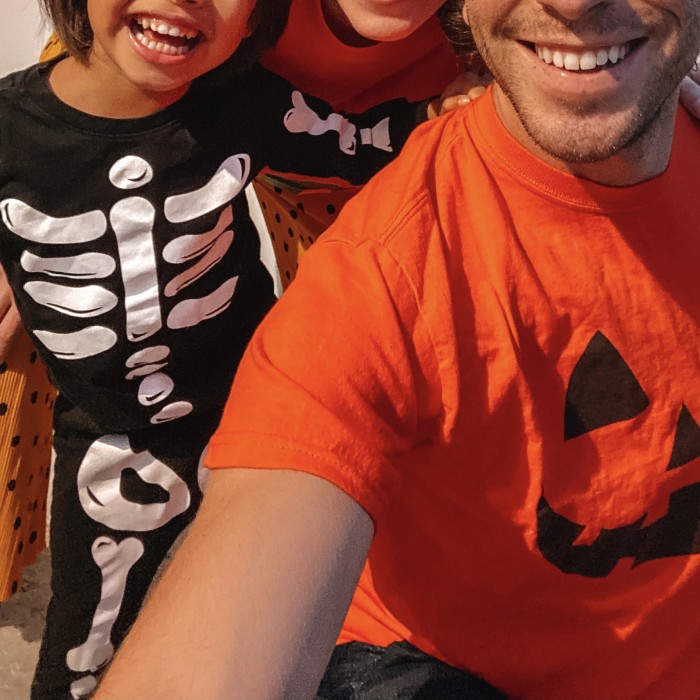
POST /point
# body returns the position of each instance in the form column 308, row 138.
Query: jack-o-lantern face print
column 625, row 481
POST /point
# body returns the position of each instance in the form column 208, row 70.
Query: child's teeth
column 161, row 27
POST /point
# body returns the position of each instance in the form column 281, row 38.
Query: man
column 495, row 424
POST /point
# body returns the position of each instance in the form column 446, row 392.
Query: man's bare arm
column 254, row 599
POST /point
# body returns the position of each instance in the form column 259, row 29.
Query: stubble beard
column 591, row 134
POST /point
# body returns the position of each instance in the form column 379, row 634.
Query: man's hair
column 459, row 34
column 268, row 20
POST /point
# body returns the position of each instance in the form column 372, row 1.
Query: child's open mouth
column 164, row 37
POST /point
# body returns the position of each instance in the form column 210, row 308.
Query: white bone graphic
column 210, row 247
column 185, row 248
column 203, row 473
column 130, row 172
column 228, row 182
column 78, row 345
column 132, row 221
column 155, row 353
column 83, row 687
column 378, row 136
column 155, row 388
column 99, row 478
column 115, row 562
column 193, row 311
column 209, row 260
column 172, row 411
column 32, row 225
column 84, row 266
column 145, row 370
column 301, row 119
column 83, row 302
column 147, row 361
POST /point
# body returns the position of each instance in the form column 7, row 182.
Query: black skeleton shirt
column 129, row 245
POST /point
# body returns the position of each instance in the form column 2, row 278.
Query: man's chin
column 587, row 140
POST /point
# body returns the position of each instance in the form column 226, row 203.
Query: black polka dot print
column 26, row 398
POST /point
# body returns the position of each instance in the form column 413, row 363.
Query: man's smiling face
column 584, row 79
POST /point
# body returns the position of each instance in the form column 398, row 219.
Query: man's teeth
column 587, row 60
column 158, row 26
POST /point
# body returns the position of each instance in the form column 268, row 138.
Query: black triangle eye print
column 602, row 390
column 686, row 446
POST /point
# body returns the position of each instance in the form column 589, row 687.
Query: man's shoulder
column 406, row 194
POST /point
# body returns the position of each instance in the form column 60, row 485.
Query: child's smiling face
column 160, row 46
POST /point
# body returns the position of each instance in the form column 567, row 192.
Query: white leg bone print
column 68, row 285
column 301, row 119
column 83, row 687
column 99, row 480
column 115, row 562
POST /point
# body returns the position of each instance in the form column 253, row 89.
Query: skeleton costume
column 136, row 269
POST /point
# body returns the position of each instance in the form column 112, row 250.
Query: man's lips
column 583, row 58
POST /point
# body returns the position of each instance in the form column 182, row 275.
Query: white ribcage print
column 132, row 221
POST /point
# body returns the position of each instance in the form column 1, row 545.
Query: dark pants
column 398, row 672
column 119, row 503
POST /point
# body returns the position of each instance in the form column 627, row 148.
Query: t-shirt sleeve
column 339, row 381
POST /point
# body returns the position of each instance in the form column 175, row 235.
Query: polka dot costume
column 296, row 219
column 26, row 403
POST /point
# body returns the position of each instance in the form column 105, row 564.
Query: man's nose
column 571, row 9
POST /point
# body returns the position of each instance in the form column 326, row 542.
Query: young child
column 135, row 266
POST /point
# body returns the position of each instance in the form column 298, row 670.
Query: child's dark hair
column 459, row 34
column 268, row 20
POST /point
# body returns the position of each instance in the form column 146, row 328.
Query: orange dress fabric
column 351, row 79
column 26, row 403
column 504, row 372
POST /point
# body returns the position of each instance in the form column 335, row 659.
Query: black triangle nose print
column 686, row 444
column 602, row 390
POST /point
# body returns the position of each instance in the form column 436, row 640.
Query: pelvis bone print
column 132, row 222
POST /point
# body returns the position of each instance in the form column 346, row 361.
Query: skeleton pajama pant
column 119, row 502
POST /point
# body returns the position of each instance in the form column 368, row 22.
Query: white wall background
column 22, row 34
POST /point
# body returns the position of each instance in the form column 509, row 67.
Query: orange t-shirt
column 502, row 366
column 352, row 79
